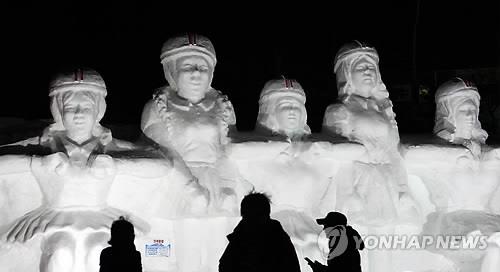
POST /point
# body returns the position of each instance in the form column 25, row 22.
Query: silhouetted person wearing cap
column 121, row 256
column 344, row 243
column 258, row 243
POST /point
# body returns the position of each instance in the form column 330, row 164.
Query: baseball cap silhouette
column 333, row 219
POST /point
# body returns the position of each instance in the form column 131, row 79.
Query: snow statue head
column 457, row 111
column 282, row 108
column 357, row 72
column 188, row 63
column 255, row 206
column 77, row 104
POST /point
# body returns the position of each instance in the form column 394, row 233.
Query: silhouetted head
column 333, row 219
column 122, row 232
column 255, row 206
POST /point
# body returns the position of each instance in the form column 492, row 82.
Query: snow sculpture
column 365, row 116
column 75, row 163
column 448, row 167
column 457, row 112
column 283, row 160
column 380, row 196
column 56, row 202
column 194, row 119
column 282, row 109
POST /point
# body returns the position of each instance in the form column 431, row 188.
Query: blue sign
column 158, row 250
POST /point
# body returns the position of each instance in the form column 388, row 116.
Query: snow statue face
column 79, row 113
column 363, row 76
column 354, row 64
column 289, row 111
column 193, row 77
column 457, row 112
column 465, row 119
column 78, row 104
column 184, row 46
column 282, row 108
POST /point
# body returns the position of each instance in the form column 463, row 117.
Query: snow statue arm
column 144, row 167
column 15, row 164
column 337, row 121
column 368, row 127
column 152, row 125
column 228, row 118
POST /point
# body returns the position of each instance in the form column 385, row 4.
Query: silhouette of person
column 258, row 243
column 344, row 243
column 121, row 255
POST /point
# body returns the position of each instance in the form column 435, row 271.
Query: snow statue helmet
column 457, row 111
column 189, row 44
column 70, row 82
column 277, row 95
column 346, row 57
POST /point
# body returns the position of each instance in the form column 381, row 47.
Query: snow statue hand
column 380, row 94
column 58, row 162
column 103, row 166
column 371, row 128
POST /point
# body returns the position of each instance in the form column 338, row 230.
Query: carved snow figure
column 285, row 163
column 462, row 207
column 379, row 196
column 457, row 113
column 365, row 113
column 194, row 119
column 282, row 110
column 74, row 166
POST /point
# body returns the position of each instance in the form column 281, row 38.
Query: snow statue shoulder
column 75, row 170
column 457, row 112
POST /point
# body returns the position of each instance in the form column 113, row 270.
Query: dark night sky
column 253, row 43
